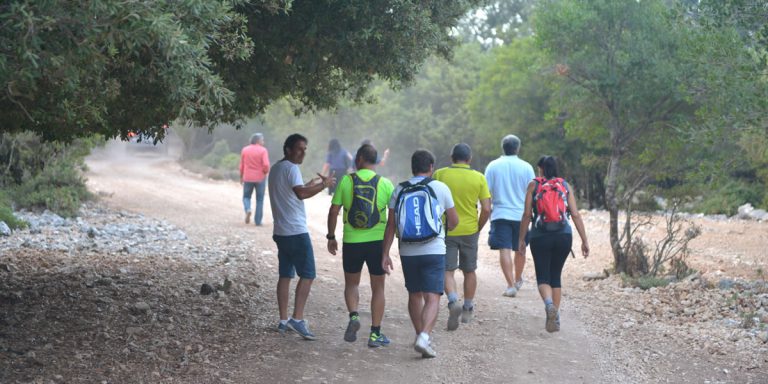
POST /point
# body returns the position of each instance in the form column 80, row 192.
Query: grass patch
column 644, row 282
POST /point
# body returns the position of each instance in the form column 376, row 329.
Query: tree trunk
column 612, row 203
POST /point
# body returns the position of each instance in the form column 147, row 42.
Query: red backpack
column 550, row 204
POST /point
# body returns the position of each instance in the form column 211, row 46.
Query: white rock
column 5, row 230
column 745, row 210
column 758, row 214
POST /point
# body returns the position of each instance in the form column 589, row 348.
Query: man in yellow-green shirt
column 364, row 196
column 468, row 187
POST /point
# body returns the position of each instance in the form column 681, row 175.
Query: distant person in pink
column 254, row 166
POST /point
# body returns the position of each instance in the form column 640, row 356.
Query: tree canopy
column 643, row 73
column 72, row 69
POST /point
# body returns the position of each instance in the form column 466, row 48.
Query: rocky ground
column 118, row 297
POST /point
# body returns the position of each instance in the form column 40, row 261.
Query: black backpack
column 363, row 213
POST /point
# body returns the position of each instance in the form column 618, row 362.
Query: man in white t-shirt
column 508, row 178
column 294, row 248
column 423, row 263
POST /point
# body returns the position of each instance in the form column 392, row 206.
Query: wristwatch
column 330, row 236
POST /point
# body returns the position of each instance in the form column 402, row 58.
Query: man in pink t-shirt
column 254, row 166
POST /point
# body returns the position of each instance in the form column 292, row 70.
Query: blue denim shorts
column 295, row 256
column 425, row 273
column 504, row 234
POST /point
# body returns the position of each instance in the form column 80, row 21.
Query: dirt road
column 505, row 343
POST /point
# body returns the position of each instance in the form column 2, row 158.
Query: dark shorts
column 354, row 255
column 295, row 256
column 425, row 273
column 504, row 234
column 461, row 252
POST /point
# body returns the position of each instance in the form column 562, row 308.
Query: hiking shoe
column 557, row 322
column 454, row 311
column 300, row 327
column 423, row 346
column 467, row 314
column 247, row 217
column 519, row 284
column 510, row 292
column 377, row 340
column 550, row 325
column 350, row 334
column 282, row 328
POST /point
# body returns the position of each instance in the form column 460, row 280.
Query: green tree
column 71, row 69
column 497, row 23
column 634, row 74
column 739, row 179
column 515, row 96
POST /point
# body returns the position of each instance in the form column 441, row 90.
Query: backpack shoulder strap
column 403, row 187
column 425, row 183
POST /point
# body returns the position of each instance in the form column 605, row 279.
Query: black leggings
column 549, row 255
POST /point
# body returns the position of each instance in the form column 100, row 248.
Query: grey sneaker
column 510, row 292
column 550, row 324
column 519, row 284
column 467, row 314
column 300, row 327
column 282, row 329
column 423, row 346
column 557, row 322
column 454, row 311
column 350, row 334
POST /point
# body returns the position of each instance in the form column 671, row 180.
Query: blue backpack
column 417, row 212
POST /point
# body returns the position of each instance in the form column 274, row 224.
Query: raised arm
column 314, row 186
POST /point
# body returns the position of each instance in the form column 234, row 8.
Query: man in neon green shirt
column 364, row 196
column 468, row 187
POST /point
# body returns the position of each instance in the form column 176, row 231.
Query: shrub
column 229, row 162
column 729, row 197
column 7, row 216
column 648, row 282
column 59, row 187
column 44, row 175
column 644, row 282
column 214, row 157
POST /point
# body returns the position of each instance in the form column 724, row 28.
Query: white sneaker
column 510, row 292
column 422, row 346
column 519, row 284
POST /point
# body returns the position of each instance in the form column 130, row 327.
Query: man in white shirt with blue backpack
column 415, row 214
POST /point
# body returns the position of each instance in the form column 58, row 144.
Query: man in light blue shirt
column 508, row 178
